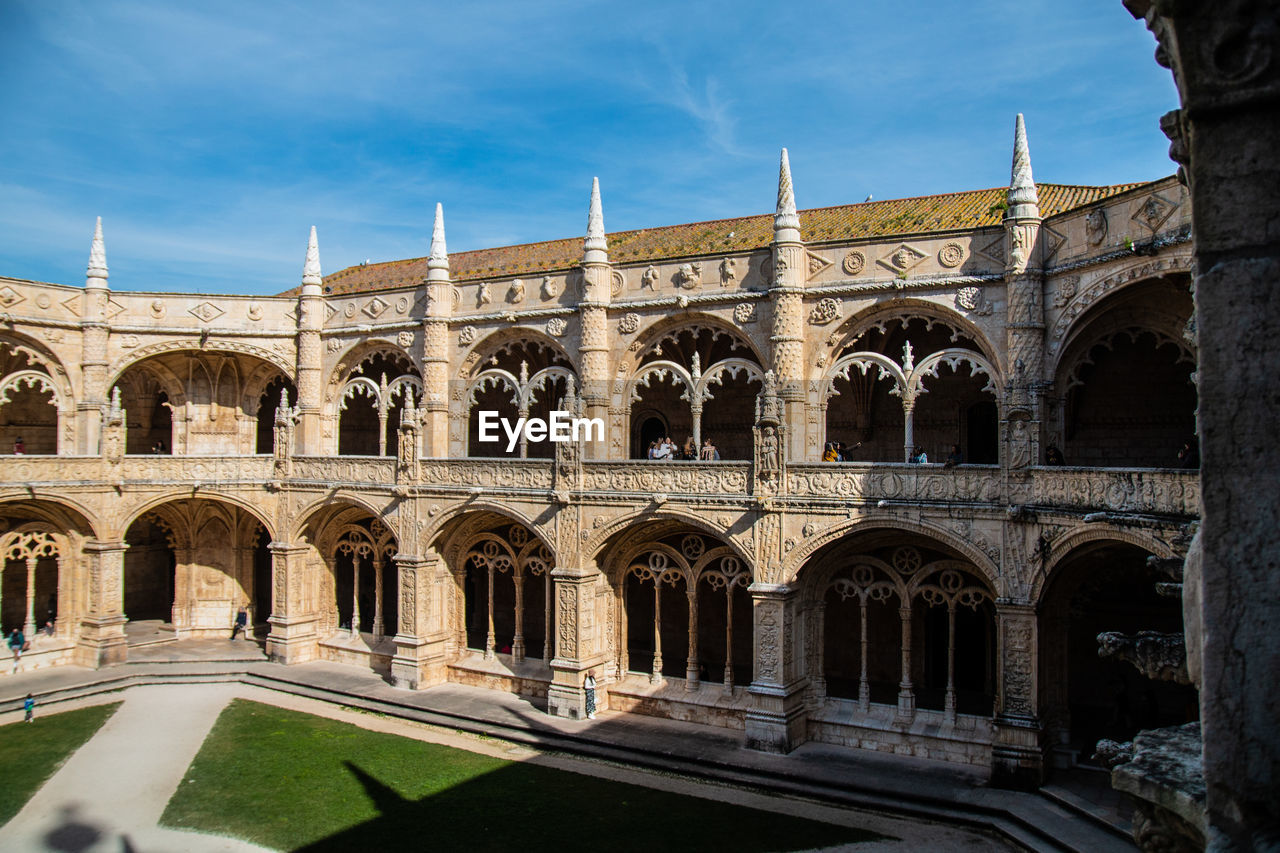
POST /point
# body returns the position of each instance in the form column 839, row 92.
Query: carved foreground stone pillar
column 102, row 640
column 776, row 721
column 293, row 637
column 1017, row 753
column 422, row 638
column 575, row 642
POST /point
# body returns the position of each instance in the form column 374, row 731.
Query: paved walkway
column 110, row 794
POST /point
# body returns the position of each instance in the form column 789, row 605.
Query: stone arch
column 680, row 606
column 352, row 500
column 599, row 537
column 60, row 512
column 794, row 562
column 486, row 347
column 629, row 358
column 362, row 403
column 282, row 361
column 899, row 309
column 502, row 596
column 1066, row 545
column 39, row 354
column 132, row 514
column 191, row 563
column 1101, row 580
column 29, row 371
column 451, row 514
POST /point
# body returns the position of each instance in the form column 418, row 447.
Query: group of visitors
column 835, row 451
column 664, row 449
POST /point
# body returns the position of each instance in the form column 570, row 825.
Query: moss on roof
column 920, row 215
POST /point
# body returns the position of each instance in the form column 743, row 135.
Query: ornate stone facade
column 316, row 455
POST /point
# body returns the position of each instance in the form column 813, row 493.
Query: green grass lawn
column 293, row 781
column 32, row 752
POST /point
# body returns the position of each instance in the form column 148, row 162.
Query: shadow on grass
column 531, row 808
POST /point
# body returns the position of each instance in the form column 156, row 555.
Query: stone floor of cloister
column 910, row 794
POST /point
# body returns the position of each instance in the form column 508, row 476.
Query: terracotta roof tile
column 921, row 215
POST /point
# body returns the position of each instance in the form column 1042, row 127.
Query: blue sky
column 211, row 136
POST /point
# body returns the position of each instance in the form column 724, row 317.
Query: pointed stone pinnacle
column 311, row 267
column 786, row 223
column 1022, row 197
column 595, row 247
column 438, row 260
column 98, row 254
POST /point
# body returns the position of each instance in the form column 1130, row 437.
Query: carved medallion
column 744, row 312
column 556, row 326
column 629, row 323
column 467, row 336
column 854, row 262
column 951, row 255
column 824, row 312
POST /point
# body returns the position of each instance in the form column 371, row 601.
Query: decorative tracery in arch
column 34, row 405
column 374, row 545
column 858, row 589
column 708, row 574
column 697, row 365
column 929, row 349
column 520, row 377
column 511, row 552
column 27, row 546
column 371, row 398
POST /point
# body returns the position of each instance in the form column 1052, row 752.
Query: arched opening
column 916, row 375
column 523, row 378
column 683, row 607
column 902, row 624
column 507, row 591
column 1126, row 377
column 30, row 558
column 277, row 389
column 195, row 402
column 1104, row 586
column 703, row 380
column 649, row 429
column 371, row 400
column 189, row 567
column 28, row 402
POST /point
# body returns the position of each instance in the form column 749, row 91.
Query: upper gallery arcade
column 314, row 456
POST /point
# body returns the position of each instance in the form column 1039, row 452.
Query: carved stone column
column 423, row 636
column 310, row 390
column 1017, row 754
column 293, row 637
column 577, row 647
column 94, row 330
column 776, row 720
column 102, row 640
column 1227, row 68
column 786, row 291
column 593, row 311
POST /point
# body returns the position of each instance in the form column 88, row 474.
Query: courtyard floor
column 117, row 786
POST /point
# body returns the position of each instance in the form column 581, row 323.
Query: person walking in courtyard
column 242, row 621
column 589, row 687
column 29, row 705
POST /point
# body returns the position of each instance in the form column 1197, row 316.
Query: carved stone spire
column 97, row 272
column 311, row 278
column 786, row 223
column 595, row 247
column 1023, row 201
column 438, row 260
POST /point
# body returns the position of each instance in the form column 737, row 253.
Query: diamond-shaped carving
column 901, row 259
column 329, row 312
column 994, row 250
column 374, row 307
column 10, row 297
column 207, row 311
column 1153, row 212
column 114, row 308
column 73, row 305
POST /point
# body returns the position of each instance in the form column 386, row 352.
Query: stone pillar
column 786, row 291
column 593, row 315
column 776, row 720
column 94, row 331
column 576, row 645
column 421, row 642
column 1225, row 138
column 309, row 436
column 1017, row 753
column 293, row 637
column 102, row 640
column 437, row 345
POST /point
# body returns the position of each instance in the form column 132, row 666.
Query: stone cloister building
column 315, row 456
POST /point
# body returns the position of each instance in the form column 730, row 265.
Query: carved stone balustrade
column 669, row 478
column 1144, row 490
column 902, row 482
